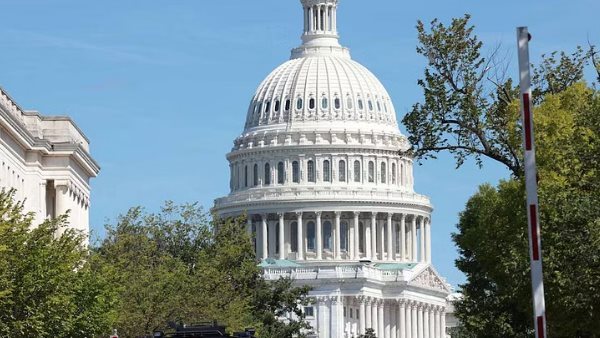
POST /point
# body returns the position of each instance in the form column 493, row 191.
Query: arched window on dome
column 280, row 173
column 379, row 106
column 361, row 237
column 385, row 107
column 326, row 171
column 255, row 173
column 267, row 174
column 344, row 236
column 295, row 172
column 311, row 171
column 288, row 104
column 277, row 106
column 324, row 103
column 370, row 105
column 349, row 103
column 383, row 172
column 327, row 238
column 360, row 104
column 357, row 171
column 337, row 103
column 311, row 103
column 268, row 107
column 371, row 172
column 299, row 103
column 246, row 176
column 310, row 236
column 342, row 171
column 294, row 236
column 393, row 173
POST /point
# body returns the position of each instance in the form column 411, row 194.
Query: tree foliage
column 369, row 333
column 178, row 266
column 48, row 287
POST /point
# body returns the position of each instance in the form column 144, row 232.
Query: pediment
column 429, row 278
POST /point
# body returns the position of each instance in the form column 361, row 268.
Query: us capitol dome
column 330, row 200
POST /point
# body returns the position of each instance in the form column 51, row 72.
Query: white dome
column 321, row 90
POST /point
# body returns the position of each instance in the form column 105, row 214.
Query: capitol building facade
column 330, row 200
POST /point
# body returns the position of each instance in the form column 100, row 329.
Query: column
column 443, row 322
column 281, row 236
column 356, row 236
column 409, row 326
column 386, row 321
column 426, row 322
column 272, row 234
column 390, row 236
column 333, row 318
column 319, row 238
column 322, row 322
column 300, row 238
column 361, row 316
column 413, row 240
column 414, row 320
column 264, row 240
column 380, row 325
column 311, row 23
column 374, row 318
column 61, row 200
column 319, row 23
column 402, row 238
column 420, row 321
column 374, row 236
column 402, row 319
column 367, row 314
column 431, row 323
column 422, row 239
column 393, row 320
column 337, row 243
column 368, row 241
column 380, row 228
column 428, row 240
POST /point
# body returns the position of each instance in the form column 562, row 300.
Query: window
column 344, row 311
column 311, row 171
column 378, row 106
column 371, row 172
column 344, row 236
column 246, row 176
column 337, row 103
column 342, row 171
column 309, row 311
column 294, row 236
column 383, row 172
column 324, row 103
column 311, row 103
column 326, row 171
column 277, row 236
column 349, row 102
column 351, row 312
column 385, row 107
column 255, row 173
column 280, row 173
column 277, row 106
column 361, row 237
column 295, row 172
column 287, row 105
column 370, row 105
column 310, row 236
column 267, row 174
column 360, row 104
column 393, row 173
column 327, row 240
column 268, row 107
column 357, row 314
column 356, row 171
column 299, row 103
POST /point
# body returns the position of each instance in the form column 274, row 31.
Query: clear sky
column 161, row 87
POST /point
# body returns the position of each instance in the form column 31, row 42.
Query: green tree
column 369, row 333
column 179, row 266
column 48, row 287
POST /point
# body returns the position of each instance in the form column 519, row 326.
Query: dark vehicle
column 204, row 330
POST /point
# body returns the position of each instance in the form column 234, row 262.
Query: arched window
column 356, row 171
column 337, row 103
column 393, row 173
column 295, row 172
column 370, row 105
column 324, row 103
column 327, row 240
column 280, row 173
column 349, row 102
column 360, row 104
column 294, row 236
column 342, row 171
column 267, row 174
column 378, row 106
column 311, row 171
column 361, row 237
column 311, row 103
column 277, row 106
column 385, row 107
column 383, row 172
column 371, row 172
column 299, row 103
column 255, row 173
column 246, row 176
column 326, row 171
column 287, row 105
column 344, row 236
column 310, row 236
column 268, row 107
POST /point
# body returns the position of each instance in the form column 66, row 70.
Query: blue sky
column 161, row 87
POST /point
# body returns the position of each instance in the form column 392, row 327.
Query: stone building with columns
column 330, row 200
column 46, row 160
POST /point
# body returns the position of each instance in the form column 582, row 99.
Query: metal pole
column 535, row 248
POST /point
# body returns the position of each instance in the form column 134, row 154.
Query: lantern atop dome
column 320, row 29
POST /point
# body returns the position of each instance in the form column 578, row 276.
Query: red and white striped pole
column 535, row 246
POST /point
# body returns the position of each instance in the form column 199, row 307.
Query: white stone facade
column 47, row 160
column 330, row 200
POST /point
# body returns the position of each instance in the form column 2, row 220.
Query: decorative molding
column 428, row 278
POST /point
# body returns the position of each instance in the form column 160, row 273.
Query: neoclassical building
column 330, row 200
column 46, row 159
